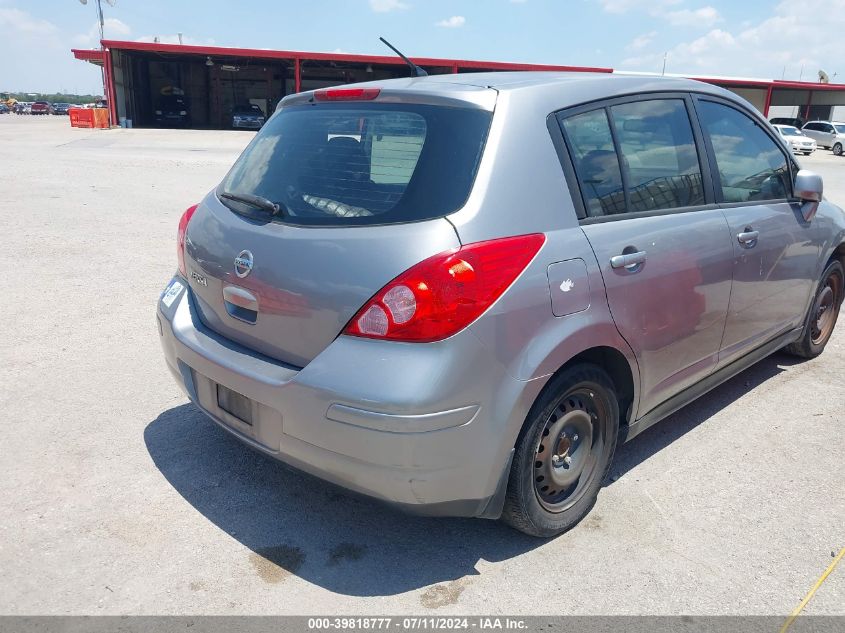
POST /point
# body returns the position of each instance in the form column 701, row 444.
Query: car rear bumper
column 429, row 429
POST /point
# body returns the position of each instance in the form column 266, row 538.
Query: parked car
column 794, row 122
column 455, row 293
column 4, row 109
column 796, row 139
column 827, row 134
column 61, row 108
column 248, row 116
column 40, row 107
column 172, row 110
column 22, row 107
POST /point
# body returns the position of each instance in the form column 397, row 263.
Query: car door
column 664, row 251
column 821, row 132
column 775, row 249
column 828, row 135
column 811, row 130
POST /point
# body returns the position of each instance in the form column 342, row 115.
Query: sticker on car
column 171, row 293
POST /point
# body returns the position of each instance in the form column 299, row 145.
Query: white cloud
column 705, row 16
column 455, row 22
column 173, row 38
column 112, row 29
column 792, row 37
column 641, row 41
column 623, row 6
column 41, row 61
column 23, row 22
column 383, row 6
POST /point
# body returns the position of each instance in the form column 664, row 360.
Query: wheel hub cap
column 825, row 311
column 566, row 454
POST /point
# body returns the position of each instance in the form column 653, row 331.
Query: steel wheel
column 824, row 310
column 569, row 450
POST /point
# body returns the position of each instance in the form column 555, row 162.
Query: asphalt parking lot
column 118, row 497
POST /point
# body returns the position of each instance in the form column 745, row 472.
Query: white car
column 828, row 134
column 796, row 140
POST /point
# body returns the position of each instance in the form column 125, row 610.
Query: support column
column 768, row 102
column 297, row 75
column 110, row 91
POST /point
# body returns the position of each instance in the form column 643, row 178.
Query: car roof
column 559, row 89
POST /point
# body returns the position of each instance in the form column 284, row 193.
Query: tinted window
column 811, row 126
column 751, row 165
column 363, row 163
column 659, row 154
column 596, row 163
column 840, row 128
column 248, row 109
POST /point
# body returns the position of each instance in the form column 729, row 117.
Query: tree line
column 55, row 97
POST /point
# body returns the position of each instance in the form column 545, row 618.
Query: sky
column 748, row 38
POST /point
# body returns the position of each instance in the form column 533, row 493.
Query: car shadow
column 655, row 439
column 297, row 524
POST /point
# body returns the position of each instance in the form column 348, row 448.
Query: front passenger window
column 751, row 165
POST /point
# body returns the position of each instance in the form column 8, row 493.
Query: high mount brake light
column 180, row 238
column 443, row 294
column 347, row 94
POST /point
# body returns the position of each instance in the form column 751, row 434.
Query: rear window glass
column 596, row 162
column 659, row 154
column 338, row 164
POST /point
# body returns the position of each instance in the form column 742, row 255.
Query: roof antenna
column 418, row 72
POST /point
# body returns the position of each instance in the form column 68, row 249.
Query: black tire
column 579, row 409
column 823, row 313
column 837, row 149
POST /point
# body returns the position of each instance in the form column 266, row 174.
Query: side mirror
column 809, row 188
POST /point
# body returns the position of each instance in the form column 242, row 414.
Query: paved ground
column 118, row 497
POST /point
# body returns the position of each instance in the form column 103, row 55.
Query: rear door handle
column 748, row 238
column 628, row 260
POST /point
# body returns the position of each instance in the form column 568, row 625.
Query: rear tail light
column 443, row 294
column 180, row 238
column 347, row 94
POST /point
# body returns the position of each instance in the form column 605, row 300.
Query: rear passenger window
column 751, row 164
column 658, row 154
column 654, row 146
column 596, row 162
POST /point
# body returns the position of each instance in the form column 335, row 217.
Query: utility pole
column 100, row 24
column 663, row 72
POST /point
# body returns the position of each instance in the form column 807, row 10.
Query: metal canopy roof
column 263, row 53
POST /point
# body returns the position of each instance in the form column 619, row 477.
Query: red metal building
column 214, row 79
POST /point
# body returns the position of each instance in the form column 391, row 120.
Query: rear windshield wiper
column 258, row 202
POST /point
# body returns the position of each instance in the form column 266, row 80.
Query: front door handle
column 628, row 260
column 748, row 238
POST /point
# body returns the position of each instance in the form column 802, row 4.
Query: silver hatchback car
column 457, row 293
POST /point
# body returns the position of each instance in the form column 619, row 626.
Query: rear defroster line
column 812, row 592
